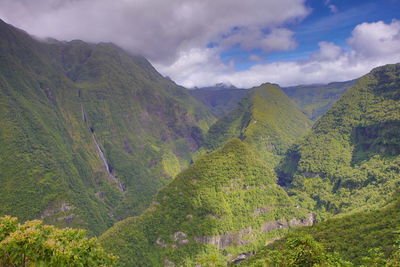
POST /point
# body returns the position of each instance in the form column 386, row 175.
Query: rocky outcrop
column 180, row 239
column 242, row 256
column 262, row 210
column 310, row 220
column 226, row 239
column 64, row 207
column 269, row 226
column 235, row 238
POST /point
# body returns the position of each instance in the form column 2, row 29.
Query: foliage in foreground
column 299, row 250
column 302, row 250
column 35, row 244
column 363, row 238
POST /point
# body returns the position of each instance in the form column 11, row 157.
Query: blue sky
column 322, row 24
column 243, row 43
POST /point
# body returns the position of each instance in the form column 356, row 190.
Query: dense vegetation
column 317, row 99
column 225, row 203
column 35, row 244
column 266, row 119
column 363, row 238
column 298, row 250
column 90, row 133
column 64, row 106
column 351, row 158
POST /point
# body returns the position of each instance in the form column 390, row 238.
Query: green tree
column 35, row 244
column 299, row 250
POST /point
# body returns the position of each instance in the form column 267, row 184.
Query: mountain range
column 93, row 137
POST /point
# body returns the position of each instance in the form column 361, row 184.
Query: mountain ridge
column 104, row 124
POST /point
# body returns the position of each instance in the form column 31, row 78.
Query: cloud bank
column 370, row 45
column 184, row 39
column 158, row 29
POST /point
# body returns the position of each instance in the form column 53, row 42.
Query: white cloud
column 278, row 39
column 327, row 51
column 157, row 29
column 371, row 45
column 376, row 39
column 197, row 65
column 174, row 35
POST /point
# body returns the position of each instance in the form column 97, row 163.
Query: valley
column 93, row 137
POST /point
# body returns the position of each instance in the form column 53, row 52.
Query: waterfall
column 103, row 158
column 108, row 169
column 112, row 177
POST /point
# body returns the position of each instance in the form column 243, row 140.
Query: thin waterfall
column 103, row 158
column 112, row 177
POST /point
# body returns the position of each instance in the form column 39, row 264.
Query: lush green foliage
column 298, row 250
column 212, row 211
column 356, row 235
column 351, row 158
column 266, row 119
column 317, row 99
column 369, row 238
column 55, row 98
column 35, row 244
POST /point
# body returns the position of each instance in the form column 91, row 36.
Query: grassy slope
column 52, row 95
column 316, row 100
column 266, row 119
column 351, row 158
column 218, row 194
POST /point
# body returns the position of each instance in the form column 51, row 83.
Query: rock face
column 237, row 237
column 242, row 256
column 180, row 239
column 226, row 239
column 269, row 226
column 64, row 207
column 310, row 220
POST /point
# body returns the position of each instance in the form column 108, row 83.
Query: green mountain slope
column 316, row 99
column 225, row 203
column 266, row 119
column 88, row 133
column 220, row 100
column 351, row 158
column 354, row 237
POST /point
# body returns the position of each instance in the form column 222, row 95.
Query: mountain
column 88, row 132
column 266, row 119
column 220, row 99
column 316, row 99
column 225, row 203
column 351, row 158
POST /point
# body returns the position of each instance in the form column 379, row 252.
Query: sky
column 242, row 43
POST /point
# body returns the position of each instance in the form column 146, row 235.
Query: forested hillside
column 266, row 119
column 225, row 203
column 88, row 133
column 93, row 137
column 317, row 99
